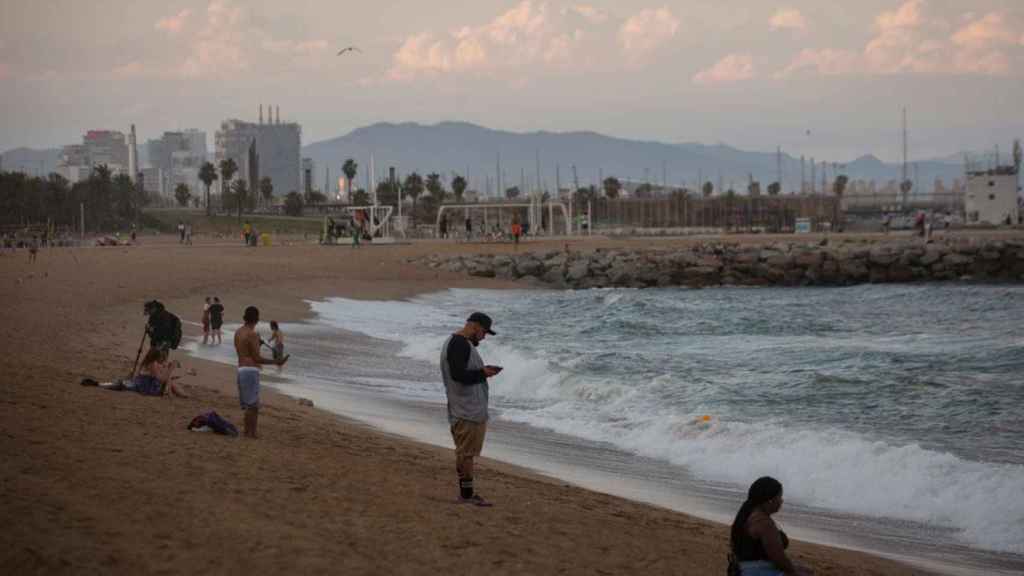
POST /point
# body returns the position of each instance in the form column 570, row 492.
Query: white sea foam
column 826, row 467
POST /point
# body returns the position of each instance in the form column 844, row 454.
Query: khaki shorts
column 469, row 437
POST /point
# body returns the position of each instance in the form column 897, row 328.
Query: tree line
column 109, row 202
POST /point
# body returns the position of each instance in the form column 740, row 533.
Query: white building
column 98, row 147
column 992, row 196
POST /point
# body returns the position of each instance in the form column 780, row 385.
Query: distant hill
column 30, row 161
column 462, row 147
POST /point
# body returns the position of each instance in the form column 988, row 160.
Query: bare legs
column 251, row 416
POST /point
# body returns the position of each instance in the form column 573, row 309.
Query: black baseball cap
column 483, row 320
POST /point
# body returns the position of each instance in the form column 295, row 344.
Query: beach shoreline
column 317, row 492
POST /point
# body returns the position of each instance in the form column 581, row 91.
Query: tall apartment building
column 178, row 156
column 278, row 150
column 98, row 147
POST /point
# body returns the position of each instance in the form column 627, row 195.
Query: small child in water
column 276, row 341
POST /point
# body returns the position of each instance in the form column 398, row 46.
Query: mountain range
column 459, row 147
column 464, row 148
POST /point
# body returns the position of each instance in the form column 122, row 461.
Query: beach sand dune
column 95, row 481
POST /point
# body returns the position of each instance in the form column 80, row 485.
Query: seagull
column 349, row 49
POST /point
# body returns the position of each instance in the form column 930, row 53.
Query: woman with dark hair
column 758, row 547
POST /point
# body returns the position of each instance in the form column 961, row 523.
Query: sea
column 892, row 414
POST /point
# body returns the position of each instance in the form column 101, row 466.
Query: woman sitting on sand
column 155, row 377
column 758, row 546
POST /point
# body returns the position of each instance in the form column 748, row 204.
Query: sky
column 824, row 78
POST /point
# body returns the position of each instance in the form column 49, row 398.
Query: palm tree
column 435, row 188
column 413, row 187
column 228, row 168
column 181, row 194
column 266, row 189
column 459, row 188
column 612, row 187
column 241, row 190
column 708, row 189
column 839, row 187
column 349, row 168
column 207, row 174
column 774, row 188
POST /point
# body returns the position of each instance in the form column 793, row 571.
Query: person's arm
column 768, row 533
column 458, row 357
column 254, row 351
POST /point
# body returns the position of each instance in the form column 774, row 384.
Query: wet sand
column 105, row 482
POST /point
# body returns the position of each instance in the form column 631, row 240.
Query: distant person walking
column 247, row 346
column 206, row 320
column 469, row 228
column 465, row 382
column 188, row 234
column 216, row 319
column 181, row 232
column 33, row 249
column 757, row 545
column 246, row 232
column 517, row 231
column 443, row 226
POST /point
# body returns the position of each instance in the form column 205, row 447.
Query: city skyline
column 817, row 78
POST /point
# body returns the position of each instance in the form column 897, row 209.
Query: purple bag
column 215, row 422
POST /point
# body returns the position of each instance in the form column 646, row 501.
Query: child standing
column 276, row 341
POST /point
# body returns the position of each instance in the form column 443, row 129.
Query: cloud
column 732, row 68
column 909, row 41
column 788, row 19
column 645, row 31
column 907, row 16
column 590, row 13
column 173, row 24
column 826, row 62
column 981, row 46
column 529, row 35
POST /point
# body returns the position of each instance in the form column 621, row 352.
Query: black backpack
column 164, row 330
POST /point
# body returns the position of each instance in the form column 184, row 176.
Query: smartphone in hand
column 494, row 369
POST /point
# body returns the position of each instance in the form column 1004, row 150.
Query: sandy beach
column 104, row 482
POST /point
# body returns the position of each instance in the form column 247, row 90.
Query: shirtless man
column 247, row 344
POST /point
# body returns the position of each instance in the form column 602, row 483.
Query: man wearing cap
column 465, row 382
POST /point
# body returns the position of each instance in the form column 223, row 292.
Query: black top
column 747, row 549
column 458, row 358
column 216, row 315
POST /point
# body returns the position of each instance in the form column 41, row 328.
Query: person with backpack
column 216, row 319
column 164, row 328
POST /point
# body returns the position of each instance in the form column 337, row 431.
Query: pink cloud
column 991, row 29
column 908, row 41
column 527, row 35
column 174, row 24
column 732, row 68
column 788, row 19
column 647, row 30
column 826, row 62
column 908, row 15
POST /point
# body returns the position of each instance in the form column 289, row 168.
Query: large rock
column 577, row 271
column 528, row 266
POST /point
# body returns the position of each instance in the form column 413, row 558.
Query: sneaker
column 476, row 500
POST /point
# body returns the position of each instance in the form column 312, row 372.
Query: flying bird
column 349, row 49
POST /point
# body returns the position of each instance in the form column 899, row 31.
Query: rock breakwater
column 777, row 264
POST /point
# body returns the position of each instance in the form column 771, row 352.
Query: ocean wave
column 599, row 390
